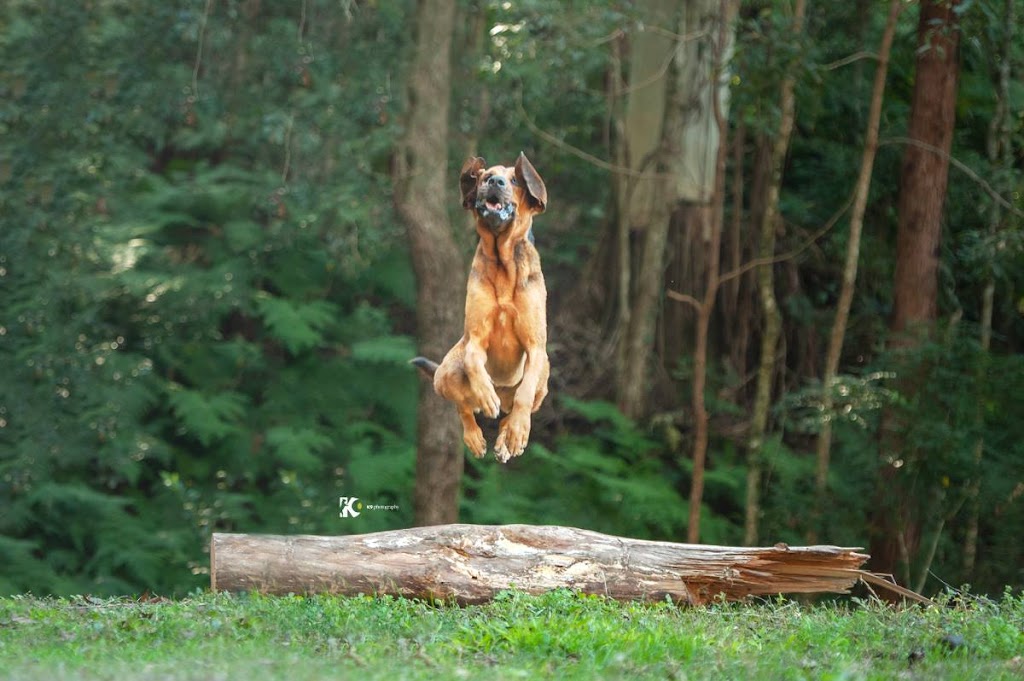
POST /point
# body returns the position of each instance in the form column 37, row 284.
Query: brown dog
column 501, row 362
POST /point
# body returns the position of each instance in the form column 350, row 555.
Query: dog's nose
column 496, row 181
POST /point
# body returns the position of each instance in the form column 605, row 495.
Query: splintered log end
column 470, row 564
column 213, row 565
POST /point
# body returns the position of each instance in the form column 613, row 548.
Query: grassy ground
column 557, row 636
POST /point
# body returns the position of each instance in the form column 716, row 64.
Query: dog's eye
column 514, row 182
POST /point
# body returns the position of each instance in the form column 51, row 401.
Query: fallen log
column 471, row 563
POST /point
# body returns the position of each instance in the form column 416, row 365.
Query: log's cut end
column 213, row 565
column 472, row 563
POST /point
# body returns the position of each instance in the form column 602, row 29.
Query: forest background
column 783, row 251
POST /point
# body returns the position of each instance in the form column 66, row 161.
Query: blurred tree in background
column 209, row 298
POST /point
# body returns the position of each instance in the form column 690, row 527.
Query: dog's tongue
column 493, row 205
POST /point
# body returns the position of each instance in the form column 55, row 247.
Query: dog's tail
column 425, row 365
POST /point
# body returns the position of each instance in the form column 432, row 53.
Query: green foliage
column 854, row 399
column 963, row 398
column 208, row 303
column 966, row 398
column 297, row 326
column 606, row 474
column 189, row 351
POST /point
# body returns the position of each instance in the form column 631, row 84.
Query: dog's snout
column 496, row 181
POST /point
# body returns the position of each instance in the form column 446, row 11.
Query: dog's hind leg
column 471, row 433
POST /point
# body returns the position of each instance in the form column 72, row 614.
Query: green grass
column 557, row 636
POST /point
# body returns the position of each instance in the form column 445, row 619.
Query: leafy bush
column 199, row 339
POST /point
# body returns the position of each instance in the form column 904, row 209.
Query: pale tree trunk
column 643, row 202
column 835, row 343
column 693, row 169
column 896, row 522
column 766, row 288
column 421, row 178
column 727, row 11
column 669, row 148
column 691, row 150
column 1000, row 155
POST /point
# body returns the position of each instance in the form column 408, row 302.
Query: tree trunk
column 694, row 166
column 737, row 311
column 970, row 555
column 896, row 524
column 669, row 145
column 835, row 343
column 421, row 176
column 475, row 95
column 472, row 563
column 644, row 203
column 1000, row 155
column 706, row 306
column 766, row 288
column 925, row 173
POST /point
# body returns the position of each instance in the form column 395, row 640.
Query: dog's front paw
column 512, row 437
column 486, row 398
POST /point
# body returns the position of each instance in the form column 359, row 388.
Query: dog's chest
column 505, row 354
column 504, row 279
column 504, row 350
column 503, row 325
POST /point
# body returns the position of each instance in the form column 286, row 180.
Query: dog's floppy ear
column 529, row 179
column 467, row 180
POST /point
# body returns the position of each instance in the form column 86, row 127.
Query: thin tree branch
column 199, row 50
column 757, row 262
column 849, row 59
column 679, row 37
column 291, row 117
column 684, row 298
column 653, row 78
column 302, row 22
column 960, row 165
column 934, row 544
column 575, row 151
column 662, row 70
column 287, row 148
column 823, row 444
column 660, row 73
column 614, row 35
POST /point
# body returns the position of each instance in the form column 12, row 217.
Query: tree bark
column 421, row 175
column 693, row 166
column 925, row 173
column 766, row 288
column 737, row 310
column 645, row 204
column 706, row 306
column 472, row 563
column 669, row 145
column 474, row 95
column 896, row 523
column 835, row 344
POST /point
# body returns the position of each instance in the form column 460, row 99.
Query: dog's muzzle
column 494, row 203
